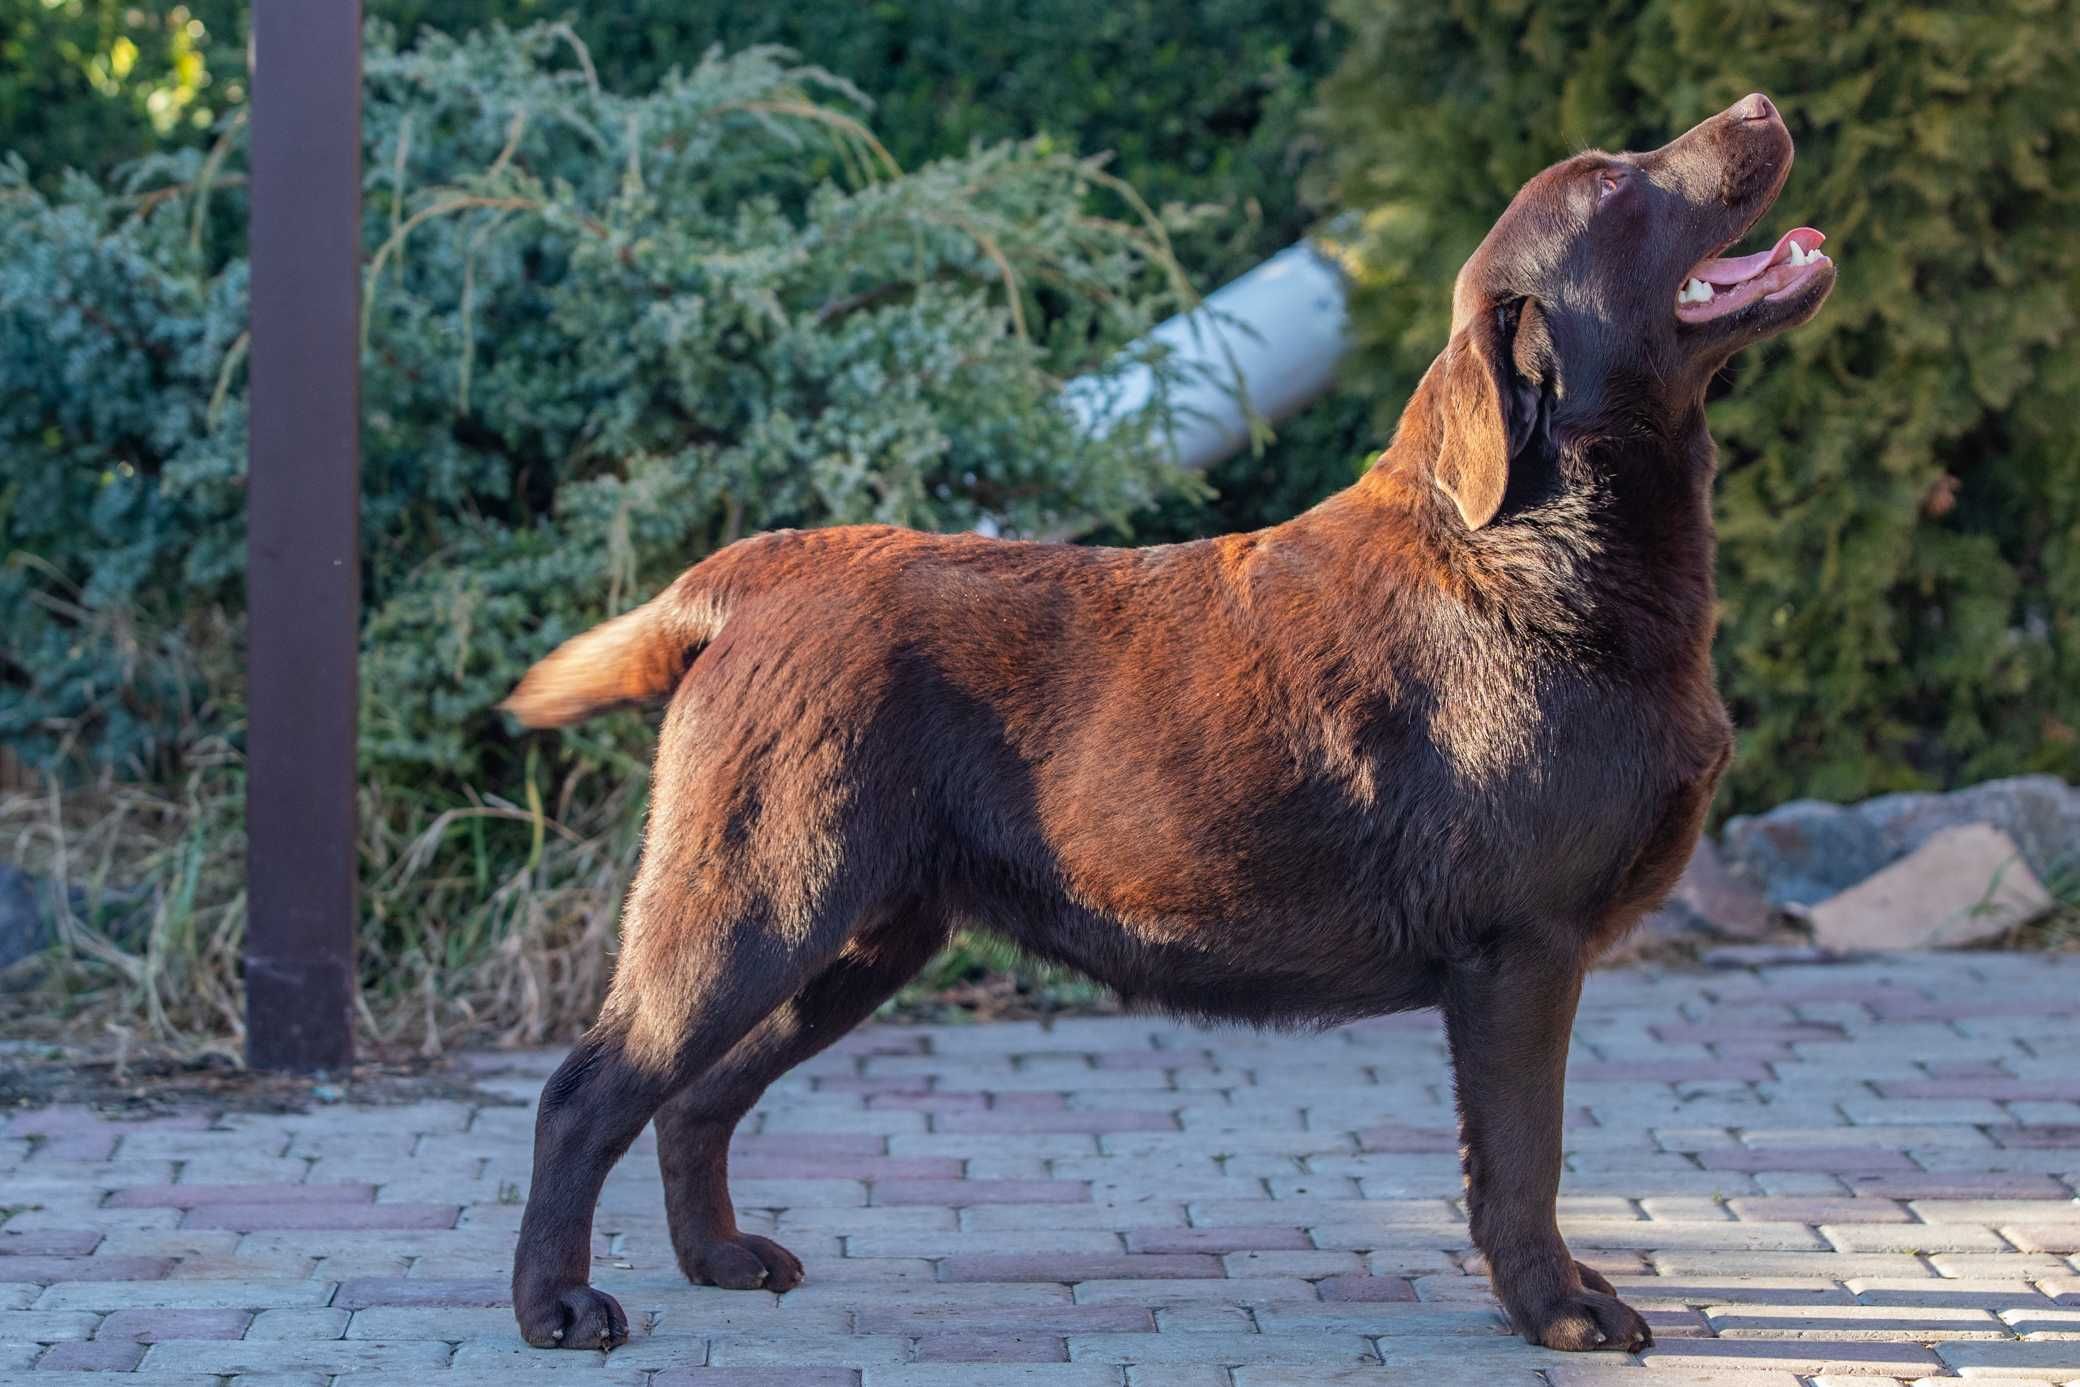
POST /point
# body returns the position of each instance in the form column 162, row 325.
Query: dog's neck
column 1602, row 530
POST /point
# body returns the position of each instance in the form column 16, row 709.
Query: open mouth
column 1719, row 287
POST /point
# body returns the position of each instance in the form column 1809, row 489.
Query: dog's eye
column 1608, row 181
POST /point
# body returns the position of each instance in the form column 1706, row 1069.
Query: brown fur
column 1437, row 742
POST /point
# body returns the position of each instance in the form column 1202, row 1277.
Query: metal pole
column 303, row 497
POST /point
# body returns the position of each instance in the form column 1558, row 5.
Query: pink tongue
column 1746, row 267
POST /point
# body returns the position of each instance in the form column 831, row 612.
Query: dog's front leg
column 1508, row 1016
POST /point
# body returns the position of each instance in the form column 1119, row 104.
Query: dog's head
column 1597, row 308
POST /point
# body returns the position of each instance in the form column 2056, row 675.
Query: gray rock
column 1718, row 902
column 1803, row 852
column 25, row 921
column 2040, row 812
column 1710, row 905
column 28, row 915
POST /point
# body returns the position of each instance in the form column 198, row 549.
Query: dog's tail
column 641, row 654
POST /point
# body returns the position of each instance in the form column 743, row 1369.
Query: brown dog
column 1437, row 742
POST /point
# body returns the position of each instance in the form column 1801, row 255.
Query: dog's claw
column 1594, row 1280
column 745, row 1262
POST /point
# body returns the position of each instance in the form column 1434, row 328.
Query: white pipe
column 1282, row 328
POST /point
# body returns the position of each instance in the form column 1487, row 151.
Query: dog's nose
column 1753, row 106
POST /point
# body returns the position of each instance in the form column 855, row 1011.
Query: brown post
column 303, row 499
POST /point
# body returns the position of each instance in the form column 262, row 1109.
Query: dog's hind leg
column 694, row 1128
column 686, row 993
column 1508, row 1017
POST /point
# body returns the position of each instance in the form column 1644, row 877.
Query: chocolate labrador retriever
column 1437, row 742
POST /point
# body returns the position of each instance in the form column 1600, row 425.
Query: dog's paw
column 1590, row 1318
column 744, row 1262
column 576, row 1317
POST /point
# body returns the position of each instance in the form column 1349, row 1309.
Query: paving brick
column 1927, row 1292
column 249, row 1217
column 45, row 1326
column 69, row 1378
column 1853, row 1322
column 202, row 1294
column 992, row 1375
column 1073, row 1267
column 2026, row 1266
column 1912, row 1237
column 112, row 1356
column 199, row 1195
column 2062, row 1238
column 2043, row 1324
column 361, row 1292
column 1177, row 1375
column 949, row 1244
column 152, row 1326
column 1593, row 1373
column 1310, row 1265
column 1803, row 1356
column 1430, row 1374
column 1662, row 1236
column 1821, row 1210
column 2048, row 1361
column 323, row 1323
column 1222, row 1349
column 1957, row 1185
column 49, row 1269
column 1064, row 1121
column 844, row 1168
column 1846, row 1161
column 50, row 1242
column 1230, row 1291
column 750, row 1377
column 1831, row 1265
column 291, row 1355
column 986, row 1346
column 1059, row 1319
column 1366, row 1289
column 961, row 1194
column 1123, row 1217
column 2061, row 1137
column 1217, row 1240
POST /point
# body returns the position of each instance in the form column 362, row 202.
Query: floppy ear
column 1489, row 413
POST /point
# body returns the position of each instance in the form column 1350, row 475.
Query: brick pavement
column 1850, row 1174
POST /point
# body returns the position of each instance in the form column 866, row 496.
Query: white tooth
column 1797, row 256
column 1697, row 291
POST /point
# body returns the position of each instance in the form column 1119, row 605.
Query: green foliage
column 604, row 334
column 1899, row 499
column 88, row 84
column 1198, row 104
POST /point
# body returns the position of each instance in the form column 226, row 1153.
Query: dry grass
column 484, row 922
column 457, row 942
column 2059, row 931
